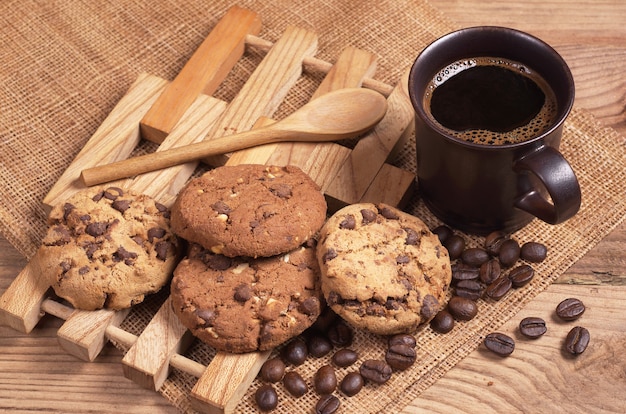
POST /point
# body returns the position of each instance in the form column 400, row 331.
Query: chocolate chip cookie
column 382, row 269
column 108, row 248
column 249, row 210
column 243, row 304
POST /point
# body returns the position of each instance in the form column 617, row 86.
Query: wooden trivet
column 182, row 112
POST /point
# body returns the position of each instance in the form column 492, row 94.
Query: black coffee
column 490, row 101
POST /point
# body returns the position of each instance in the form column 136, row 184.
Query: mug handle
column 555, row 173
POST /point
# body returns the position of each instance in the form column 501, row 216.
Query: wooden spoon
column 344, row 113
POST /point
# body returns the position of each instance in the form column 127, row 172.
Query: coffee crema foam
column 541, row 122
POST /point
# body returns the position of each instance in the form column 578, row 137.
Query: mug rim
column 417, row 101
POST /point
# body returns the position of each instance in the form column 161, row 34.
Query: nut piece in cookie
column 108, row 247
column 243, row 304
column 382, row 269
column 249, row 210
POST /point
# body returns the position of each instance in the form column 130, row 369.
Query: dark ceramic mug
column 479, row 188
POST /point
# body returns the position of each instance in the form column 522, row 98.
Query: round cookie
column 249, row 210
column 244, row 304
column 108, row 248
column 382, row 269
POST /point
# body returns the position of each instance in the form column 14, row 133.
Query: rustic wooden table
column 37, row 375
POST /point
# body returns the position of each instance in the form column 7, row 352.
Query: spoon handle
column 188, row 153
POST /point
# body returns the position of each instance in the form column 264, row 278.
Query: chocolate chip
column 243, row 293
column 221, row 207
column 61, row 236
column 121, row 205
column 310, row 306
column 430, row 307
column 412, row 238
column 83, row 270
column 217, row 261
column 90, row 249
column 368, row 216
column 207, row 316
column 67, row 209
column 112, row 193
column 388, row 213
column 403, row 259
column 162, row 248
column 156, row 233
column 96, row 229
column 281, row 190
column 161, row 208
column 329, row 255
column 121, row 254
column 348, row 222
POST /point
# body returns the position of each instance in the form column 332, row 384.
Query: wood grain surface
column 36, row 374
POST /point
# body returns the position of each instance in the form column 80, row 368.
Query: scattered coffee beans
column 475, row 256
column 499, row 288
column 266, row 397
column 521, row 275
column 273, row 370
column 319, row 346
column 570, row 309
column 402, row 339
column 443, row 232
column 295, row 352
column 325, row 380
column 462, row 309
column 345, row 357
column 509, row 253
column 295, row 384
column 470, row 289
column 327, row 404
column 532, row 327
column 533, row 252
column 400, row 356
column 489, row 271
column 443, row 322
column 375, row 370
column 462, row 271
column 455, row 246
column 500, row 344
column 351, row 384
column 340, row 334
column 493, row 242
column 577, row 340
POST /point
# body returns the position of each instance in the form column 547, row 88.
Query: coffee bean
column 509, row 253
column 470, row 289
column 533, row 252
column 402, row 339
column 455, row 246
column 462, row 309
column 351, row 384
column 340, row 333
column 345, row 357
column 493, row 242
column 532, row 327
column 273, row 370
column 266, row 397
column 319, row 346
column 570, row 309
column 376, row 371
column 463, row 271
column 295, row 384
column 443, row 322
column 400, row 357
column 295, row 352
column 521, row 275
column 327, row 404
column 499, row 288
column 443, row 232
column 489, row 271
column 577, row 340
column 475, row 256
column 500, row 344
column 325, row 380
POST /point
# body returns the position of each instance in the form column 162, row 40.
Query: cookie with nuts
column 243, row 304
column 382, row 269
column 249, row 210
column 108, row 247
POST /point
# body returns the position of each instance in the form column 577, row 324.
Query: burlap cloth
column 65, row 64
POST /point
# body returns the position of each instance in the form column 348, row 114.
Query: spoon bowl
column 341, row 114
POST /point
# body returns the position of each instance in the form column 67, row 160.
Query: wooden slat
column 114, row 140
column 202, row 73
column 371, row 152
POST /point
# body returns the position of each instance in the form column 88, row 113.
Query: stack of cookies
column 251, row 279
